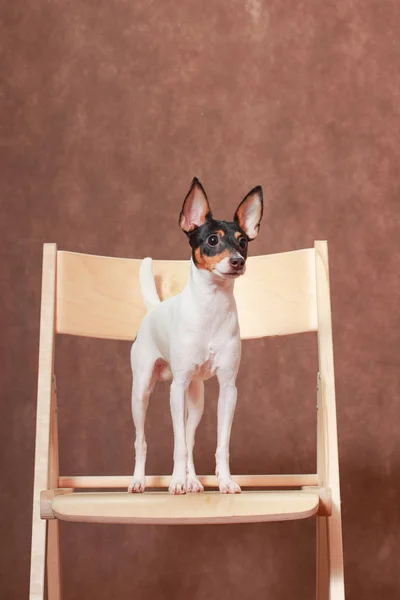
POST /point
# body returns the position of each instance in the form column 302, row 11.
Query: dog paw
column 136, row 486
column 177, row 487
column 229, row 487
column 194, row 486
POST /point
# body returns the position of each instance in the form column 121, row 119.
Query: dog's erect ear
column 195, row 209
column 249, row 213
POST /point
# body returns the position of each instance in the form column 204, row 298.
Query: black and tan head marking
column 213, row 240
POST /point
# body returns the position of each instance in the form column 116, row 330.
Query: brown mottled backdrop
column 108, row 110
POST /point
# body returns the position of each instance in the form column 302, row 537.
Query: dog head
column 220, row 246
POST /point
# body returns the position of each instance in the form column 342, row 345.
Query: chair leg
column 322, row 559
column 330, row 576
column 38, row 558
column 53, row 561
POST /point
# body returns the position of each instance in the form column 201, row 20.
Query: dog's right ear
column 195, row 210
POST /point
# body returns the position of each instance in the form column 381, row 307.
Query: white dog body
column 190, row 338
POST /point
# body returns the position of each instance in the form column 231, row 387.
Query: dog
column 194, row 336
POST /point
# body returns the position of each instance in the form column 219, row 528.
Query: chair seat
column 205, row 508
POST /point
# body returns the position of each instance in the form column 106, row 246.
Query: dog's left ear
column 249, row 213
column 195, row 210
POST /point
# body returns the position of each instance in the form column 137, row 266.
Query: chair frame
column 45, row 549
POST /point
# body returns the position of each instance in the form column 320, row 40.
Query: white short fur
column 188, row 338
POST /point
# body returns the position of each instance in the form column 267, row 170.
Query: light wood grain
column 164, row 509
column 100, row 296
column 43, row 417
column 329, row 532
column 46, row 501
column 53, row 561
column 322, row 559
column 53, row 558
column 322, row 435
column 163, row 481
column 54, row 470
column 325, row 499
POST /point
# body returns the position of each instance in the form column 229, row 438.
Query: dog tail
column 147, row 284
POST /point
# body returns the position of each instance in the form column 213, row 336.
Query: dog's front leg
column 195, row 407
column 177, row 401
column 226, row 408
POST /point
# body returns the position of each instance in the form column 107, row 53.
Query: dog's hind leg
column 143, row 384
column 195, row 407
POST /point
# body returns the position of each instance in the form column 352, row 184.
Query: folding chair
column 100, row 297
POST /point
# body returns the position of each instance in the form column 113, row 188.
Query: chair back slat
column 100, row 297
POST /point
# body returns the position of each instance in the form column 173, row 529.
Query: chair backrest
column 100, row 297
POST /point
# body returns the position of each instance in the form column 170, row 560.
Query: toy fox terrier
column 194, row 336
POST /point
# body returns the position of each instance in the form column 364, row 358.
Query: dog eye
column 213, row 240
column 243, row 242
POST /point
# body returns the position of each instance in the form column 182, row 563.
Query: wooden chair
column 100, row 297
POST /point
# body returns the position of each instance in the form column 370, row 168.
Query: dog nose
column 237, row 262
